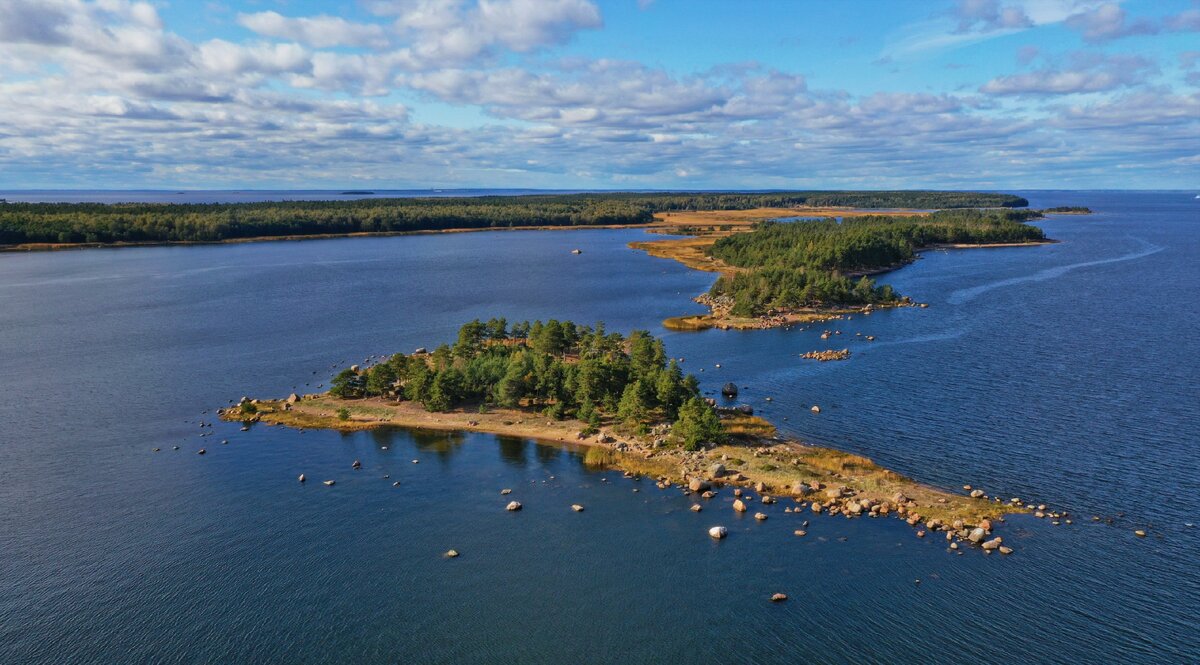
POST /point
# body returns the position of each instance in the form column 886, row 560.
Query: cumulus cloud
column 1087, row 73
column 989, row 15
column 1107, row 22
column 317, row 31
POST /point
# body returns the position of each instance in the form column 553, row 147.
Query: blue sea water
column 1064, row 373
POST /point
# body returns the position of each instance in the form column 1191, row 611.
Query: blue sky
column 599, row 94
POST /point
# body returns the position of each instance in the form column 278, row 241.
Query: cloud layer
column 480, row 93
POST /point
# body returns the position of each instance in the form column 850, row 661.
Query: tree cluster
column 565, row 369
column 800, row 264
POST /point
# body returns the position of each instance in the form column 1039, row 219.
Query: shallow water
column 1063, row 372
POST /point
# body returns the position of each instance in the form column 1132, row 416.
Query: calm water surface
column 1065, row 372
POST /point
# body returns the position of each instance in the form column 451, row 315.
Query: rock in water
column 302, row 478
column 718, row 532
column 778, row 597
column 513, row 505
column 505, row 491
column 739, row 506
column 576, row 507
column 815, row 409
column 760, row 516
column 451, row 554
column 697, row 485
column 716, row 470
column 729, row 389
column 357, row 465
column 697, row 508
column 329, row 483
column 976, row 494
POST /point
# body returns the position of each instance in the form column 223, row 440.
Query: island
column 40, row 226
column 631, row 408
column 780, row 267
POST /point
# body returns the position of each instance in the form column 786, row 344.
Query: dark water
column 1065, row 373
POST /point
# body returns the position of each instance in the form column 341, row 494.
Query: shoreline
column 817, row 479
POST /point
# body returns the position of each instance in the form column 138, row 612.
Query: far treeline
column 564, row 369
column 156, row 222
column 810, row 264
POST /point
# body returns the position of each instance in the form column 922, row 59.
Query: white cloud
column 316, row 31
column 1088, row 73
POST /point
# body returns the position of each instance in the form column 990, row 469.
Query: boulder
column 1004, row 549
column 985, row 524
column 801, row 489
column 778, row 597
column 976, row 494
column 697, row 508
column 356, row 465
column 729, row 389
column 991, row 544
column 977, row 535
column 800, row 532
column 709, row 494
column 513, row 505
column 716, row 470
column 329, row 483
column 698, row 485
column 745, row 409
column 293, row 398
column 576, row 507
column 815, row 409
column 718, row 532
column 834, row 493
column 302, row 478
column 760, row 516
column 505, row 491
column 450, row 554
column 739, row 506
column 759, row 487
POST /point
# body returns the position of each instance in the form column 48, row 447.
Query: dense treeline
column 566, row 369
column 1070, row 210
column 153, row 222
column 805, row 264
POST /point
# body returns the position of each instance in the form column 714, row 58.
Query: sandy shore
column 836, row 482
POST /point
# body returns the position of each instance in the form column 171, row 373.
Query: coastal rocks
column 744, row 409
column 357, row 465
column 977, row 535
column 718, row 532
column 761, row 517
column 698, row 485
column 505, row 492
column 201, row 451
column 1139, row 533
column 759, row 487
column 450, row 554
column 697, row 507
column 513, row 506
column 834, row 493
column 729, row 389
column 827, row 355
column 302, row 478
column 576, row 507
column 800, row 532
column 767, row 499
column 991, row 544
column 801, row 489
column 329, row 483
column 709, row 494
column 977, row 494
column 717, row 470
column 293, row 398
column 739, row 506
column 778, row 597
column 1004, row 549
column 815, row 409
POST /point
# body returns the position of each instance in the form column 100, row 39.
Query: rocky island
column 629, row 407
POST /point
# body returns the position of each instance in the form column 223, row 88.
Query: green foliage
column 154, row 222
column 562, row 368
column 343, row 414
column 800, row 264
column 249, row 409
column 698, row 424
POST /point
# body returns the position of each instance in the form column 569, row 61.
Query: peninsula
column 632, row 408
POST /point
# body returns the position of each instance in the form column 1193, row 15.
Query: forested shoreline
column 808, row 264
column 565, row 369
column 95, row 223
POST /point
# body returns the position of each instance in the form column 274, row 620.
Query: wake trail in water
column 965, row 295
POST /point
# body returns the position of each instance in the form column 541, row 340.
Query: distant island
column 776, row 273
column 57, row 225
column 632, row 407
column 1069, row 210
column 357, row 193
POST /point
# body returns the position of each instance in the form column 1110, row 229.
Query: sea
column 1064, row 374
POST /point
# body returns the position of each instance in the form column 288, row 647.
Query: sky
column 599, row 94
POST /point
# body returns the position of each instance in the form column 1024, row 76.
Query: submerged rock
column 576, row 507
column 718, row 532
